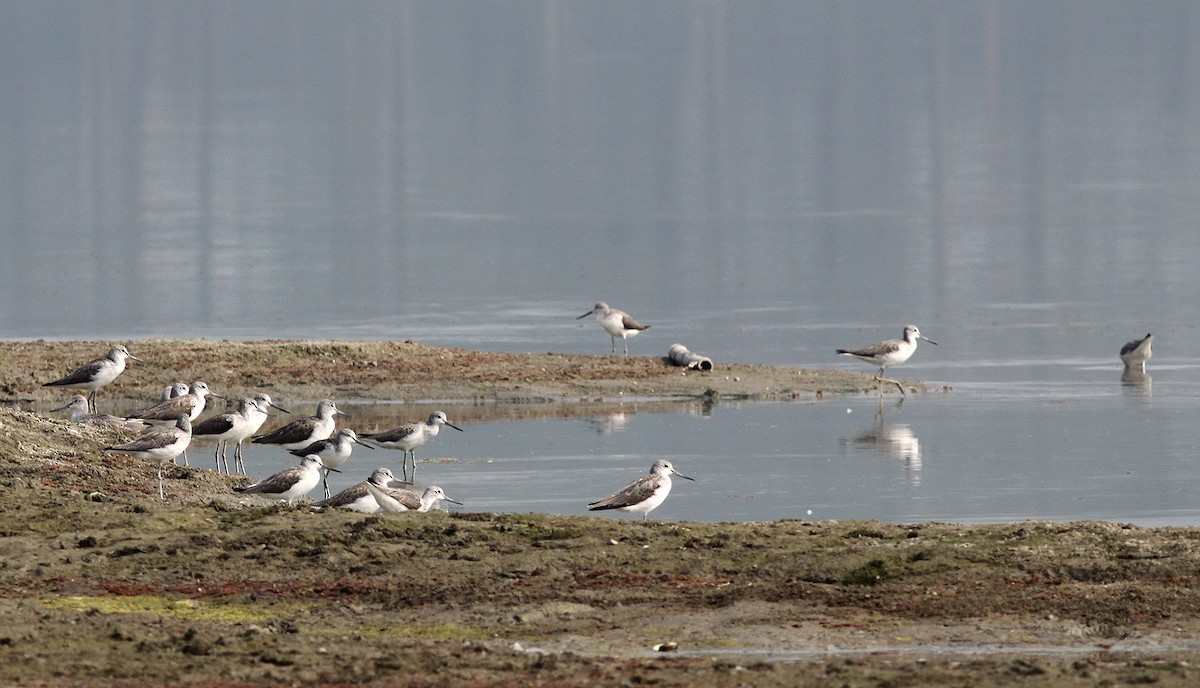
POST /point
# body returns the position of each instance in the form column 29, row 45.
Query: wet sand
column 106, row 585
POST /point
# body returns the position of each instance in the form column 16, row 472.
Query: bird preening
column 1135, row 353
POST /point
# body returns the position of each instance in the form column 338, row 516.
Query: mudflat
column 103, row 584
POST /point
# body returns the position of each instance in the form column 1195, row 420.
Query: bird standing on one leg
column 161, row 444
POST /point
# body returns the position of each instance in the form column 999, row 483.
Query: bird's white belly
column 651, row 503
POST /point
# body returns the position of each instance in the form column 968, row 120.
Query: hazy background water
column 762, row 181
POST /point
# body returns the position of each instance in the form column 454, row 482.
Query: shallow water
column 761, row 182
column 976, row 453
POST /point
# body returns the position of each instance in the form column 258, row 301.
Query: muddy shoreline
column 104, row 585
column 311, row 370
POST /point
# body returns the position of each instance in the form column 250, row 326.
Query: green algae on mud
column 208, row 594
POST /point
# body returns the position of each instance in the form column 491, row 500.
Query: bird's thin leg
column 160, row 489
column 325, row 480
column 883, row 379
column 217, row 457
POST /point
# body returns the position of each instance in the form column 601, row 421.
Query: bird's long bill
column 331, row 468
column 452, row 500
column 677, row 474
column 586, row 314
column 64, row 406
column 928, row 340
column 274, row 406
column 357, row 441
column 454, row 426
column 135, row 358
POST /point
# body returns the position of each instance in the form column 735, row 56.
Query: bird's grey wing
column 314, row 448
column 107, row 421
column 151, row 440
column 167, row 410
column 1131, row 346
column 406, row 498
column 347, row 496
column 393, row 435
column 873, row 351
column 296, row 431
column 633, row 493
column 214, row 426
column 630, row 324
column 275, row 484
column 409, row 499
column 83, row 373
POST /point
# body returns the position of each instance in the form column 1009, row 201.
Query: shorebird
column 616, row 323
column 232, row 426
column 334, row 452
column 392, row 499
column 357, row 497
column 1135, row 354
column 889, row 352
column 161, row 444
column 93, row 375
column 643, row 495
column 176, row 390
column 165, row 412
column 409, row 437
column 192, row 404
column 303, row 431
column 78, row 404
column 289, row 483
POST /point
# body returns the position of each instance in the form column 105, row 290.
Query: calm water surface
column 1107, row 449
column 763, row 182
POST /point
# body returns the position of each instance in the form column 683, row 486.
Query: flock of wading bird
column 166, row 429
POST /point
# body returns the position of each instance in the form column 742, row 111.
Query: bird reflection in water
column 609, row 423
column 1135, row 382
column 891, row 439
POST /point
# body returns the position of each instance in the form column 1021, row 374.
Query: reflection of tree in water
column 891, row 439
